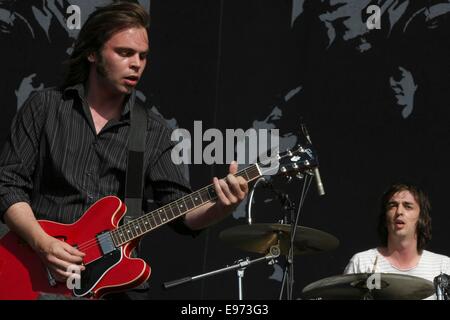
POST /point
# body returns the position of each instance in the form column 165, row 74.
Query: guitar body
column 24, row 276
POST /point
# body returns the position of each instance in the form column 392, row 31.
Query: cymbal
column 259, row 237
column 388, row 286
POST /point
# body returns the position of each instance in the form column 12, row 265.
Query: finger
column 73, row 251
column 65, row 267
column 63, row 259
column 243, row 184
column 226, row 190
column 233, row 167
column 57, row 264
column 68, row 257
column 220, row 195
column 62, row 275
column 235, row 187
column 57, row 274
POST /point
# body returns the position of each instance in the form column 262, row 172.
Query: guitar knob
column 289, row 152
column 283, row 169
column 299, row 176
column 289, row 179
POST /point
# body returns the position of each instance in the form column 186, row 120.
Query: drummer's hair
column 423, row 225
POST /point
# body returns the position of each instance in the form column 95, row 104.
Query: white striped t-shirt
column 430, row 265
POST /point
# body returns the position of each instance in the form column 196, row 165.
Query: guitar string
column 94, row 242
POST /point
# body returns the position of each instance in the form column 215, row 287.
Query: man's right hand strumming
column 57, row 255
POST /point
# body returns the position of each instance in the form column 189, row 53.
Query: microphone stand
column 289, row 206
column 241, row 265
column 288, row 274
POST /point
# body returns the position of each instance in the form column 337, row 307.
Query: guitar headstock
column 293, row 162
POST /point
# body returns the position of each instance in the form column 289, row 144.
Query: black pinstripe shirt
column 55, row 161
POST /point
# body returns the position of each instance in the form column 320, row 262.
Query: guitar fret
column 160, row 212
column 138, row 229
column 131, row 230
column 147, row 224
column 120, row 234
column 113, row 236
column 204, row 195
column 152, row 221
column 157, row 218
column 255, row 171
column 126, row 234
column 183, row 207
column 196, row 199
column 175, row 210
column 211, row 193
column 164, row 218
column 189, row 203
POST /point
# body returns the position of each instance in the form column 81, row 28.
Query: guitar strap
column 134, row 184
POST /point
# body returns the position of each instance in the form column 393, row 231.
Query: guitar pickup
column 106, row 242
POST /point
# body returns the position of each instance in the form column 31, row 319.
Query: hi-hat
column 260, row 237
column 378, row 286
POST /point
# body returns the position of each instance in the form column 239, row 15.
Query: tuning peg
column 294, row 166
column 283, row 169
column 289, row 152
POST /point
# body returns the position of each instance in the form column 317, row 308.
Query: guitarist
column 68, row 146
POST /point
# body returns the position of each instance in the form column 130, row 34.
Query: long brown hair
column 423, row 228
column 101, row 25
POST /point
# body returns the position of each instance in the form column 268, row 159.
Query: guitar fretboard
column 173, row 210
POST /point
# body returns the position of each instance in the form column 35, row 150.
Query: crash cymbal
column 260, row 237
column 385, row 286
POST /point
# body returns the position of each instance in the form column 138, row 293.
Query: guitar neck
column 174, row 210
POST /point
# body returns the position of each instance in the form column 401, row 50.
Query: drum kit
column 259, row 238
column 286, row 238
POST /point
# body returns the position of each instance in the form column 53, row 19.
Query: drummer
column 404, row 228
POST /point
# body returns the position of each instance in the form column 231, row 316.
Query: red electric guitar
column 108, row 246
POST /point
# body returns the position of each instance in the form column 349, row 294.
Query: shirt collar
column 79, row 90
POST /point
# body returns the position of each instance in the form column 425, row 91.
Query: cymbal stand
column 240, row 265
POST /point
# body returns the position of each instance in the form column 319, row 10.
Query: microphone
column 318, row 179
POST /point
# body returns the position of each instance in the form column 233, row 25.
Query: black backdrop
column 376, row 102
